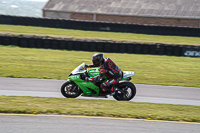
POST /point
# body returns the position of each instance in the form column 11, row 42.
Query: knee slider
column 104, row 85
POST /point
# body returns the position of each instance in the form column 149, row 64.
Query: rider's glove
column 86, row 66
column 87, row 79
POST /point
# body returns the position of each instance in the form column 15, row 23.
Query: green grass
column 57, row 64
column 96, row 35
column 150, row 111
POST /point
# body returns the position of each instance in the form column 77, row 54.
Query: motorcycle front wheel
column 129, row 91
column 70, row 90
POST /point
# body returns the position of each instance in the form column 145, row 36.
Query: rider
column 107, row 68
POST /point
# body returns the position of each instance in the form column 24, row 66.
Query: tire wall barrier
column 99, row 26
column 100, row 46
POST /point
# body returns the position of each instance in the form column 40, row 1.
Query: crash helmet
column 97, row 59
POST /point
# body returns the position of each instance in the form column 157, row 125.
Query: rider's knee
column 103, row 86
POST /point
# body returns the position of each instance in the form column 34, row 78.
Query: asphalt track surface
column 10, row 123
column 72, row 124
column 145, row 93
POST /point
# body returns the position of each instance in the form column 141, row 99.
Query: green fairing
column 85, row 85
column 95, row 71
column 88, row 88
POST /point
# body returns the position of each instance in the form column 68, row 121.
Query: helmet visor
column 96, row 63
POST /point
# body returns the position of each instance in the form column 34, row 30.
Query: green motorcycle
column 76, row 85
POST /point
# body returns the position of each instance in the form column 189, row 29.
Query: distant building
column 155, row 12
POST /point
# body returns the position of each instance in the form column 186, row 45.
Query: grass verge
column 97, row 35
column 57, row 64
column 60, row 106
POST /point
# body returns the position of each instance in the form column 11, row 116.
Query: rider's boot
column 113, row 90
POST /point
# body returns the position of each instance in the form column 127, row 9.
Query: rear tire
column 128, row 88
column 70, row 90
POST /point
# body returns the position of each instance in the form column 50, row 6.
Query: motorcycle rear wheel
column 129, row 90
column 70, row 90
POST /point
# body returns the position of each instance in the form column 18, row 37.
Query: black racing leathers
column 109, row 69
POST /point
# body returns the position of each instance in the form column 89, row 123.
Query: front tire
column 70, row 90
column 129, row 90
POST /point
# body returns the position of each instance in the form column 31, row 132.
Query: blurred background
column 31, row 8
